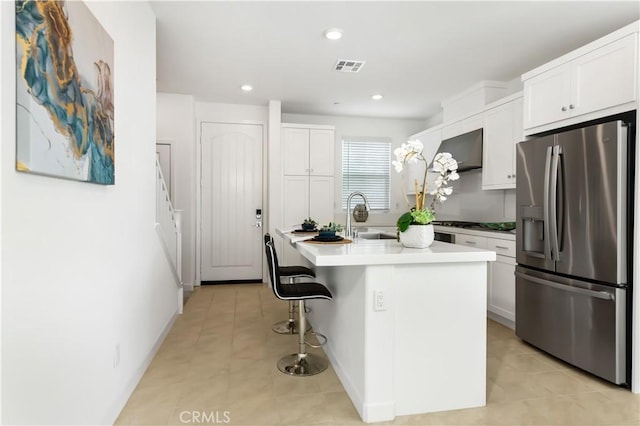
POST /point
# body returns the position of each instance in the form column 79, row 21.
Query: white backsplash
column 470, row 203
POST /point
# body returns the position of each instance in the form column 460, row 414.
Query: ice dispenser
column 532, row 230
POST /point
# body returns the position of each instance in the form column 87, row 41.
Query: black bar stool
column 301, row 363
column 290, row 326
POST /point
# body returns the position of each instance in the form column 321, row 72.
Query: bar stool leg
column 302, row 363
column 289, row 326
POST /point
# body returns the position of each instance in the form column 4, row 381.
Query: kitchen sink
column 376, row 236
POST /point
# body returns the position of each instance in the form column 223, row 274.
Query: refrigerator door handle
column 553, row 203
column 591, row 293
column 547, row 183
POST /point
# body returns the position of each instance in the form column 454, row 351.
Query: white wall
column 397, row 130
column 83, row 269
column 176, row 125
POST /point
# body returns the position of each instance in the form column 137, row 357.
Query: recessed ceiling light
column 376, row 97
column 246, row 87
column 333, row 33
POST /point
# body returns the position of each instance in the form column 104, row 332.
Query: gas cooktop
column 494, row 226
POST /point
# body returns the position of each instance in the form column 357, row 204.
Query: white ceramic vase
column 417, row 236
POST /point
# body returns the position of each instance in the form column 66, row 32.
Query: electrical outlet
column 379, row 301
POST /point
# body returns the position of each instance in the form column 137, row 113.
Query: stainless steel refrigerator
column 572, row 237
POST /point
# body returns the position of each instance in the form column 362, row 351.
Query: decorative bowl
column 326, row 234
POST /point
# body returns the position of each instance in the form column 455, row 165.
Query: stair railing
column 168, row 226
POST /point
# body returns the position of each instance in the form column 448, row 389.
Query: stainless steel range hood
column 466, row 149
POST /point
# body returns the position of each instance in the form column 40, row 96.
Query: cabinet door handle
column 311, row 170
column 502, row 247
column 564, row 108
column 508, row 176
column 471, row 242
column 571, row 106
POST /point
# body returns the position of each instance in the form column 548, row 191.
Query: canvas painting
column 64, row 102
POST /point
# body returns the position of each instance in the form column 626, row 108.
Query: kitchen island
column 406, row 329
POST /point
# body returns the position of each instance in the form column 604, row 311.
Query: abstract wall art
column 64, row 99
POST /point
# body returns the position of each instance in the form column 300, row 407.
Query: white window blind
column 366, row 164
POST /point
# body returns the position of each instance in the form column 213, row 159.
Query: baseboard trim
column 224, row 282
column 501, row 320
column 121, row 400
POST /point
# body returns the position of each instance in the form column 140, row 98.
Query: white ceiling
column 417, row 53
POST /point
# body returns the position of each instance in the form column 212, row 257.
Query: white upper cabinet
column 321, row 151
column 548, row 97
column 586, row 83
column 295, row 146
column 607, row 76
column 308, row 151
column 502, row 131
column 463, row 126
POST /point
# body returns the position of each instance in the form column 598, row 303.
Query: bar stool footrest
column 302, row 364
column 322, row 340
column 287, row 327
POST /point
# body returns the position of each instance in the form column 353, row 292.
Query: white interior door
column 231, row 241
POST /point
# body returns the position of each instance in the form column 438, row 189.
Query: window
column 366, row 164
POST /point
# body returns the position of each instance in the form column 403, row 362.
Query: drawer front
column 502, row 247
column 471, row 241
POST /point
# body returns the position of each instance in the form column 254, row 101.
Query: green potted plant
column 414, row 227
column 309, row 224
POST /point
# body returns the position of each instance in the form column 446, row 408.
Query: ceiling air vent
column 346, row 65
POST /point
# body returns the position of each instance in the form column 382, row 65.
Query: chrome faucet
column 348, row 231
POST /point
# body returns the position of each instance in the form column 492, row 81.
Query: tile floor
column 217, row 365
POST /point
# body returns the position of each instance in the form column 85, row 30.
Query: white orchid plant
column 444, row 164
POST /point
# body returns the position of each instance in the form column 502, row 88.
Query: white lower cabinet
column 501, row 291
column 296, row 200
column 471, row 241
column 501, row 283
column 321, row 199
column 501, row 297
column 307, row 196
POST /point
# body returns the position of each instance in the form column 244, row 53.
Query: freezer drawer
column 578, row 322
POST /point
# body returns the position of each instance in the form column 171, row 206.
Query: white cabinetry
column 463, row 126
column 308, row 151
column 501, row 297
column 502, row 131
column 308, row 165
column 471, row 241
column 501, row 283
column 597, row 77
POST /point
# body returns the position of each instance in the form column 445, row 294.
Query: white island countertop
column 384, row 252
